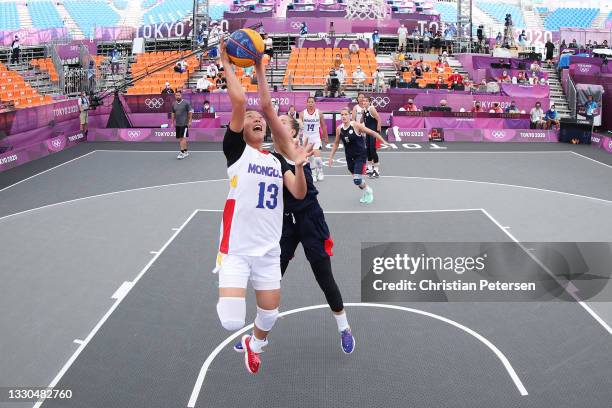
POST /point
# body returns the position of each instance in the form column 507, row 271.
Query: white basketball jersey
column 312, row 124
column 359, row 112
column 253, row 214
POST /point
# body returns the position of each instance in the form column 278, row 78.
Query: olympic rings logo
column 154, row 103
column 133, row 134
column 380, row 101
column 610, row 145
column 56, row 143
column 296, row 25
column 498, row 134
column 584, row 68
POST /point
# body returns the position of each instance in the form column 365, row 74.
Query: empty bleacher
column 499, row 10
column 168, row 11
column 9, row 18
column 89, row 14
column 154, row 83
column 13, row 88
column 570, row 17
column 44, row 14
column 448, row 11
column 310, row 66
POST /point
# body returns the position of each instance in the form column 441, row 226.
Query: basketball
column 244, row 47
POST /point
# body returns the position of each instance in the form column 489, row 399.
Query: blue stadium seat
column 175, row 10
column 570, row 17
column 121, row 4
column 499, row 10
column 448, row 12
column 44, row 14
column 9, row 18
column 81, row 12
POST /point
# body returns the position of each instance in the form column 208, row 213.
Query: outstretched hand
column 301, row 153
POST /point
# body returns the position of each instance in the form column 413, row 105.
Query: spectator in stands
column 436, row 44
column 455, row 81
column 332, row 30
column 410, row 106
column 83, row 104
column 440, row 83
column 427, row 41
column 292, row 113
column 354, row 48
column 213, row 39
column 537, row 116
column 359, row 78
column 562, row 46
column 483, row 86
column 498, row 39
column 337, row 61
column 590, row 108
column 448, row 34
column 496, row 108
column 522, row 39
column 504, row 77
column 203, row 85
column 398, row 60
column 269, row 46
column 402, row 34
column 477, row 108
column 418, row 71
column 91, row 76
column 212, row 70
column 604, row 44
column 440, row 66
column 220, row 83
column 535, row 68
column 332, row 84
column 379, row 81
column 550, row 49
column 341, row 74
column 573, row 44
column 444, row 105
column 303, row 29
column 552, row 118
column 375, row 41
column 589, row 44
column 521, row 79
column 114, row 60
column 15, row 50
column 480, row 36
column 207, row 108
column 512, row 108
column 542, row 81
column 167, row 89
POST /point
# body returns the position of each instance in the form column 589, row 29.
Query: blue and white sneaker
column 347, row 341
column 238, row 347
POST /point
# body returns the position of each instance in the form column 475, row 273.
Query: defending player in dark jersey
column 371, row 120
column 353, row 135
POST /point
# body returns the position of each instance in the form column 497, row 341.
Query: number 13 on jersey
column 272, row 189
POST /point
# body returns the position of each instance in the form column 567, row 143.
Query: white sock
column 341, row 321
column 319, row 163
column 376, row 168
column 369, row 167
column 257, row 345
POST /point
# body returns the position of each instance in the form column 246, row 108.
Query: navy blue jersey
column 291, row 203
column 369, row 121
column 354, row 143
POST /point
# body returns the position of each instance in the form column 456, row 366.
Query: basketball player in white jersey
column 313, row 126
column 253, row 219
column 359, row 109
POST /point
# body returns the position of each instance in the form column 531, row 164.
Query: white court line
column 109, row 194
column 591, row 159
column 329, row 175
column 110, row 311
column 583, row 304
column 45, row 171
column 504, row 360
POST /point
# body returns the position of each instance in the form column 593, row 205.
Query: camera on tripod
column 508, row 20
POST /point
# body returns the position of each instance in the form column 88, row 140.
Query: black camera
column 508, row 20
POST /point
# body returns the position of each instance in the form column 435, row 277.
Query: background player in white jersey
column 359, row 109
column 313, row 127
column 252, row 219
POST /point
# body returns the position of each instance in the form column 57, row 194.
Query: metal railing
column 571, row 97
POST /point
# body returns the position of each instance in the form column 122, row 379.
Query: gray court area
column 64, row 261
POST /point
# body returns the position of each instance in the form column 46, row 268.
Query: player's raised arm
column 282, row 140
column 234, row 91
column 361, row 128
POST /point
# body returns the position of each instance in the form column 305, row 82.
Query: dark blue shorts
column 309, row 228
column 356, row 165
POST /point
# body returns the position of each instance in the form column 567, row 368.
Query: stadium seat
column 9, row 18
column 44, row 14
column 570, row 17
column 499, row 10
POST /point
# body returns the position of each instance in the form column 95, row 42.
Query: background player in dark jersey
column 352, row 135
column 304, row 222
column 371, row 120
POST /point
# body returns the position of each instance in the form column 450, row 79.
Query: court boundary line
column 195, row 393
column 590, row 159
column 44, row 171
column 329, row 175
column 578, row 300
column 113, row 307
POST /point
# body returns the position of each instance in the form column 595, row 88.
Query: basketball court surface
column 107, row 286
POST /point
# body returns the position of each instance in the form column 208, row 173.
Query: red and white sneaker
column 251, row 359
